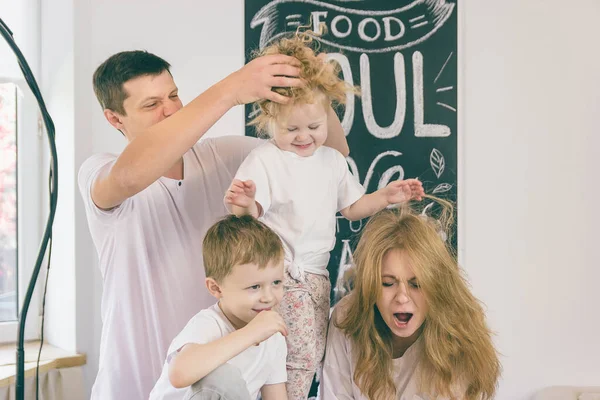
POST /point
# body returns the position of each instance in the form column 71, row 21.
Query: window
column 21, row 187
column 8, row 202
column 21, row 204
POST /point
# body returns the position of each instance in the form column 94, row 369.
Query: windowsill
column 52, row 358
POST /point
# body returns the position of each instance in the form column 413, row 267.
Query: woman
column 410, row 328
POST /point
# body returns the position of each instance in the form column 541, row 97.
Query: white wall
column 528, row 95
column 19, row 19
column 57, row 85
column 530, row 100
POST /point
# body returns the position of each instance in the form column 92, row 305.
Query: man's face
column 151, row 99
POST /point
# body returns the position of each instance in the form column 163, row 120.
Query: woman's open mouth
column 402, row 319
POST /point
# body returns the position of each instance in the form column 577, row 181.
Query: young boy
column 235, row 348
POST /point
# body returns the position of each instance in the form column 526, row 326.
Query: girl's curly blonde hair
column 322, row 81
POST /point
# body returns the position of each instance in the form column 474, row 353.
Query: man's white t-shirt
column 150, row 257
column 300, row 197
column 259, row 365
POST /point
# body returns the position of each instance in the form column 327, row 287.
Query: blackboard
column 403, row 55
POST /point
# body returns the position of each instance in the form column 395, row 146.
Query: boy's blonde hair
column 322, row 82
column 459, row 360
column 239, row 240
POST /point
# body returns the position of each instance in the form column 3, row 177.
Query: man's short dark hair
column 120, row 68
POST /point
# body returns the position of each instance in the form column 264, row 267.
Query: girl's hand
column 398, row 192
column 241, row 193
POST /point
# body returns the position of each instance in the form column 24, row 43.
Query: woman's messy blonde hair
column 459, row 360
column 322, row 81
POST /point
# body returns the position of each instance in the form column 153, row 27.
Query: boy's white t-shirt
column 150, row 258
column 300, row 197
column 259, row 365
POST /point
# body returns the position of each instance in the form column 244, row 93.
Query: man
column 149, row 208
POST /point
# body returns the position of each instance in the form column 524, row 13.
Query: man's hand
column 402, row 191
column 265, row 325
column 255, row 80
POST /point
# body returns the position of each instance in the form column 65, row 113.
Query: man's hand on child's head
column 255, row 80
column 241, row 193
column 265, row 325
column 402, row 191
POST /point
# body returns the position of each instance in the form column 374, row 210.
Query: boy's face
column 248, row 290
column 304, row 131
column 152, row 98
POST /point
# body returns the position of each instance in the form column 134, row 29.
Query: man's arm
column 153, row 152
column 274, row 392
column 336, row 138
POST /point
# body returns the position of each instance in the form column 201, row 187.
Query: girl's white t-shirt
column 300, row 197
